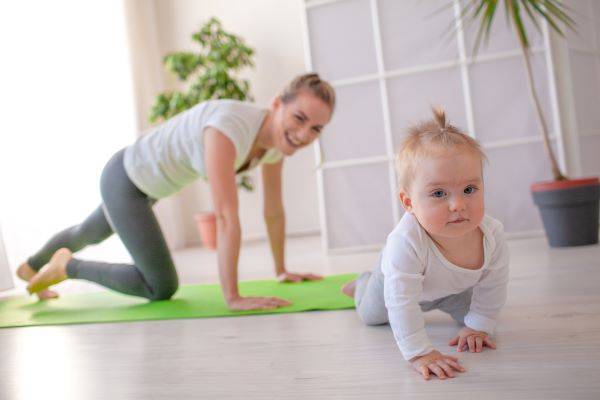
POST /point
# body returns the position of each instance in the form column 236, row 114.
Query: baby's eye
column 438, row 193
column 470, row 189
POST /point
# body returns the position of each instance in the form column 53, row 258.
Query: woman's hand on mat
column 438, row 364
column 294, row 277
column 472, row 340
column 256, row 303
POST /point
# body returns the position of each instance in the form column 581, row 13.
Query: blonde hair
column 314, row 85
column 425, row 139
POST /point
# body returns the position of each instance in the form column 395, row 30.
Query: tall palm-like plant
column 554, row 12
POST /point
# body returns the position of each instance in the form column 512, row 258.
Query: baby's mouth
column 292, row 141
column 458, row 221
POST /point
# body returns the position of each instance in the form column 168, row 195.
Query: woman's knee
column 164, row 290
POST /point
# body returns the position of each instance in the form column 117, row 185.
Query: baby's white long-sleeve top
column 415, row 270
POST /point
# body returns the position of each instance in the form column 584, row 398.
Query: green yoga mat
column 193, row 301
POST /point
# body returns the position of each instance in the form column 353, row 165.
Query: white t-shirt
column 415, row 270
column 171, row 155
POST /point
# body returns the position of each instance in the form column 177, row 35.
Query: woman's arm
column 220, row 160
column 274, row 215
column 220, row 168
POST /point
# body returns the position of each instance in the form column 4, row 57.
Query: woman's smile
column 292, row 140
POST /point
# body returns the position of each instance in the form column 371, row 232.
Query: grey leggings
column 370, row 303
column 128, row 212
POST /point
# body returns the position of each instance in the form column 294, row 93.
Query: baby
column 445, row 253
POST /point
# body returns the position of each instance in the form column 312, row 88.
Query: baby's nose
column 457, row 204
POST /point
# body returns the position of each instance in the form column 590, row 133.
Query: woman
column 215, row 139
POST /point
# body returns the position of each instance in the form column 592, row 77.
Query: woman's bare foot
column 349, row 288
column 25, row 272
column 52, row 273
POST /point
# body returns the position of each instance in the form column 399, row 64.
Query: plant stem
column 558, row 176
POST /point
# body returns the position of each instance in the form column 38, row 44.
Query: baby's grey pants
column 370, row 304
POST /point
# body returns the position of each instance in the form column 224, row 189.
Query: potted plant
column 569, row 207
column 209, row 74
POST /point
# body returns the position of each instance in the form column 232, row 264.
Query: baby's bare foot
column 25, row 272
column 52, row 273
column 349, row 288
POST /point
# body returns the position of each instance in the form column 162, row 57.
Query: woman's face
column 299, row 122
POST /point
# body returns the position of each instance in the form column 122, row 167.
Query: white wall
column 274, row 29
column 6, row 281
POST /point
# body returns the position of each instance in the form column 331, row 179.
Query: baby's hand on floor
column 472, row 340
column 437, row 363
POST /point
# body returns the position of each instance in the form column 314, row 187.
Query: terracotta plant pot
column 207, row 227
column 569, row 210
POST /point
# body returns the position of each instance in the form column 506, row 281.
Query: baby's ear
column 405, row 200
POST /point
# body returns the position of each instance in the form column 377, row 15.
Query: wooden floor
column 548, row 343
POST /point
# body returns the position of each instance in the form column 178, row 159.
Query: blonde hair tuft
column 425, row 139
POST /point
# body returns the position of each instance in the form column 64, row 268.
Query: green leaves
column 182, row 64
column 246, row 182
column 167, row 105
column 223, row 48
column 518, row 12
column 209, row 74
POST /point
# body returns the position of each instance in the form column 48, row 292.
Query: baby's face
column 446, row 195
